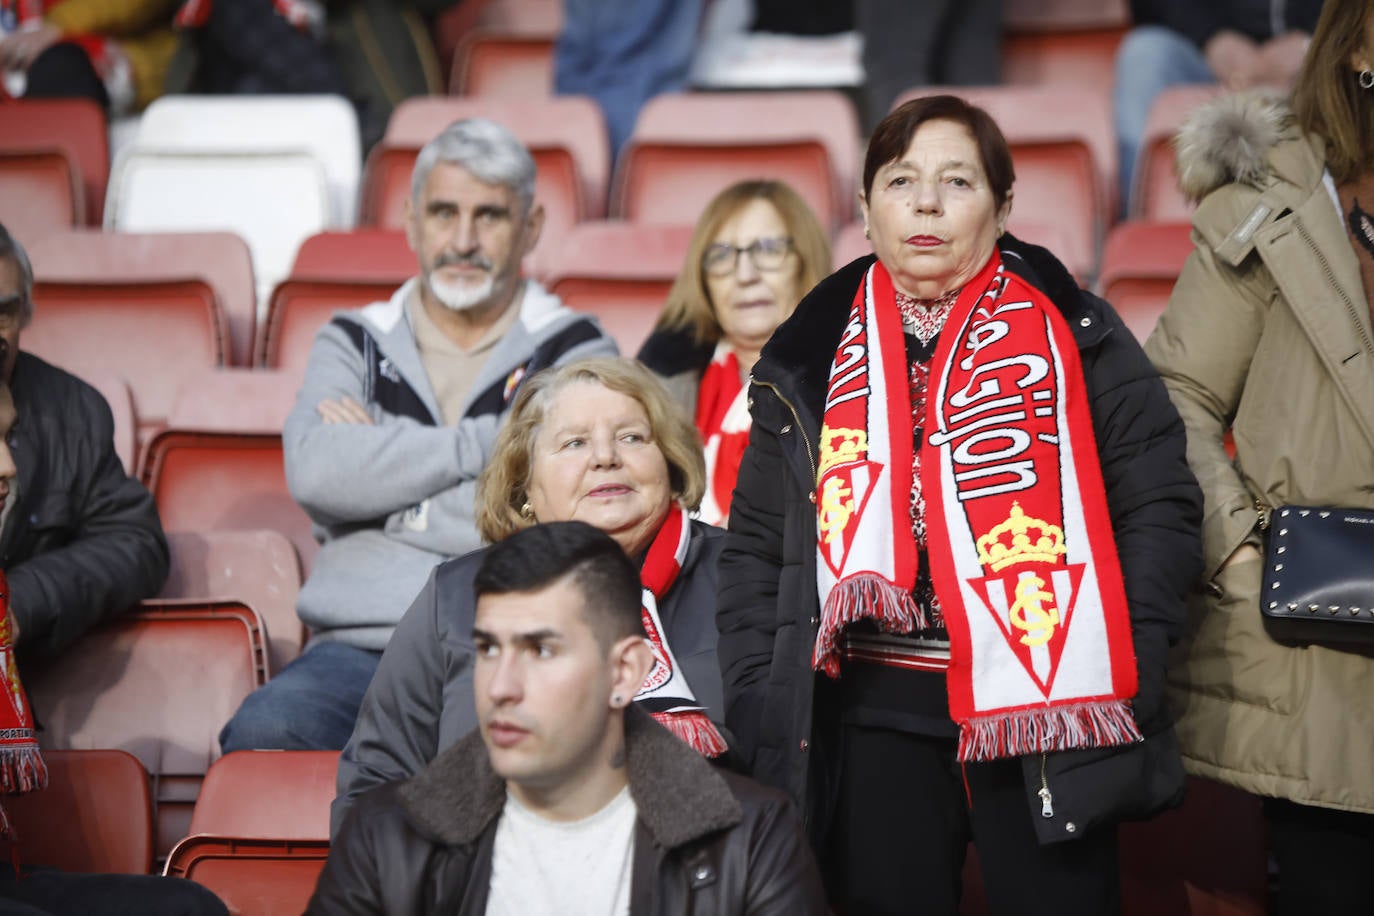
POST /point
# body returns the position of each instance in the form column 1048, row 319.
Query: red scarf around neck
column 21, row 764
column 1019, row 537
column 666, row 693
column 723, row 421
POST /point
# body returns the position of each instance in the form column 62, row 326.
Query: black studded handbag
column 1319, row 575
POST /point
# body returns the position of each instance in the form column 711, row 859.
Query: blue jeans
column 1151, row 58
column 311, row 705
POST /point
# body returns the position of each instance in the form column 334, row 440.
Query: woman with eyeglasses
column 756, row 249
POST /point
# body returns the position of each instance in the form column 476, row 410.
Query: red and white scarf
column 305, row 15
column 21, row 764
column 106, row 57
column 723, row 421
column 1019, row 537
column 666, row 693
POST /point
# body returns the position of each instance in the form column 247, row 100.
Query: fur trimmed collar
column 1228, row 140
column 679, row 795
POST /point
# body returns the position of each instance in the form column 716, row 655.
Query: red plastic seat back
column 283, row 795
column 1155, row 194
column 1140, row 265
column 220, row 259
column 96, row 814
column 299, row 308
column 74, row 127
column 258, row 876
column 41, row 193
column 159, row 683
column 501, row 64
column 153, row 335
column 359, row 254
column 259, row 568
column 1074, row 57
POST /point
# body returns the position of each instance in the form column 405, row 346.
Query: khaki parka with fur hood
column 1268, row 333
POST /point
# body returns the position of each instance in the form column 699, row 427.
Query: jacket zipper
column 1331, row 279
column 796, row 418
column 1046, row 799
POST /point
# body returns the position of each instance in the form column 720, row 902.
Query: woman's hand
column 19, row 50
column 1241, row 554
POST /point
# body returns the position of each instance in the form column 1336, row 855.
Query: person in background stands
column 756, row 250
column 396, row 418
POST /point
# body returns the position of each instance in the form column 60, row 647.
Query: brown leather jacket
column 707, row 841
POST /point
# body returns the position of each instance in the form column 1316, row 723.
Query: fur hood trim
column 1228, row 140
column 679, row 795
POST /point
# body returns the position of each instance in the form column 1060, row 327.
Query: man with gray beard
column 395, row 419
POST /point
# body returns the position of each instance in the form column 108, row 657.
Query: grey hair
column 484, row 148
column 10, row 248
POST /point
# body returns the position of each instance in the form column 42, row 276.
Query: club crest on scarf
column 1003, row 444
column 847, row 479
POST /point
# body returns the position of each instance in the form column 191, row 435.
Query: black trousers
column 903, row 825
column 1325, row 859
column 49, row 892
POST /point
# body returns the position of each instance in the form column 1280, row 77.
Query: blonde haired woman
column 756, row 251
column 596, row 441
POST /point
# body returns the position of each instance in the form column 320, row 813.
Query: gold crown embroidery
column 840, row 446
column 996, row 551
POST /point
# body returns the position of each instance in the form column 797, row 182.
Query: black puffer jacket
column 778, row 708
column 420, row 700
column 706, row 841
column 82, row 541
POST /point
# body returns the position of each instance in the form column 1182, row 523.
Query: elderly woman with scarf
column 597, row 441
column 958, row 551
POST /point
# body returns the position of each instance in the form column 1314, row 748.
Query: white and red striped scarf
column 1019, row 536
column 723, row 421
column 306, row 15
column 106, row 58
column 666, row 694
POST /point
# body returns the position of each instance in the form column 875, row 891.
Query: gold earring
column 866, row 235
column 527, row 511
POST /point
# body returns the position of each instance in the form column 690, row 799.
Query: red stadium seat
column 152, row 334
column 259, row 568
column 221, row 259
column 218, row 465
column 74, row 127
column 1155, row 194
column 280, row 795
column 299, row 308
column 621, row 273
column 850, row 243
column 1206, row 858
column 1140, row 264
column 96, row 815
column 531, row 17
column 1064, row 155
column 262, row 877
column 40, row 191
column 688, row 146
column 159, row 683
column 1077, row 57
column 1064, row 15
column 362, row 254
column 503, row 64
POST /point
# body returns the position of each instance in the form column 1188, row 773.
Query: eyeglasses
column 721, row 259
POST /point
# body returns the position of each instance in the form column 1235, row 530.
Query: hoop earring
column 527, row 512
column 1367, row 79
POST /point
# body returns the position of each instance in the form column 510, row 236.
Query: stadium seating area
column 187, row 280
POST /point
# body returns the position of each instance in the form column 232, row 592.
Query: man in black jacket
column 79, row 539
column 567, row 798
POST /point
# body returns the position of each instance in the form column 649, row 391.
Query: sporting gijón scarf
column 1019, row 537
column 666, row 694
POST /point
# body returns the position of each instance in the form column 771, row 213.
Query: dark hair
column 10, row 248
column 893, row 135
column 1327, row 99
column 537, row 557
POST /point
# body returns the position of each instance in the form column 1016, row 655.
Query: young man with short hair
column 567, row 798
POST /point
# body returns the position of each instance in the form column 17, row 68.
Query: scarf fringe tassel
column 697, row 729
column 1036, row 731
column 22, row 769
column 860, row 597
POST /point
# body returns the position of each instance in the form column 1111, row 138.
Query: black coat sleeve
column 1154, row 501
column 783, row 879
column 750, row 570
column 95, row 544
